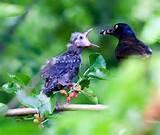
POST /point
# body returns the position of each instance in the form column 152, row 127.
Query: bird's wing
column 146, row 50
column 125, row 49
column 62, row 67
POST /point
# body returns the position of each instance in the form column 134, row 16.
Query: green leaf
column 97, row 67
column 97, row 61
column 16, row 83
column 20, row 78
column 11, row 87
column 41, row 102
column 97, row 70
column 97, row 73
column 47, row 123
column 91, row 96
column 84, row 83
column 27, row 100
column 45, row 104
column 3, row 108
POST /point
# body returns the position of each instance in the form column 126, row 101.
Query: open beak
column 106, row 31
column 94, row 45
column 87, row 33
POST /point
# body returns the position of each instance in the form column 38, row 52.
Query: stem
column 66, row 107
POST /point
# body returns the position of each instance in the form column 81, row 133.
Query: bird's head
column 119, row 30
column 80, row 40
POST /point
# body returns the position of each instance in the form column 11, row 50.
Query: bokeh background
column 31, row 31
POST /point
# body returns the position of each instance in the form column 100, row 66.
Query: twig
column 21, row 112
column 69, row 107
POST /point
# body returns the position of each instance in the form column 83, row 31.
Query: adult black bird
column 128, row 42
column 60, row 71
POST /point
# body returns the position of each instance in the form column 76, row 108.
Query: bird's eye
column 116, row 26
column 81, row 37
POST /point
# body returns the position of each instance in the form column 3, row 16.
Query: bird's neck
column 73, row 49
column 126, row 35
column 128, row 38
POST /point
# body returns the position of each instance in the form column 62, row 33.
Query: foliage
column 18, row 86
column 96, row 70
column 40, row 102
column 31, row 31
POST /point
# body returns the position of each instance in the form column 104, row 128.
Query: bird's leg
column 57, row 102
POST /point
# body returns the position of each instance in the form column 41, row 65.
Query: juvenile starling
column 60, row 71
column 128, row 42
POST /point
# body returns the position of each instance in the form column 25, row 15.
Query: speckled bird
column 60, row 71
column 128, row 43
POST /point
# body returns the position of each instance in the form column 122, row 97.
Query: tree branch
column 69, row 107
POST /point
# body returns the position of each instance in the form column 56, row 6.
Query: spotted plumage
column 128, row 43
column 60, row 71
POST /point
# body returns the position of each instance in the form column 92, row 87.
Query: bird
column 60, row 71
column 128, row 43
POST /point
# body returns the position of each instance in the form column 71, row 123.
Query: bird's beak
column 107, row 31
column 87, row 33
column 94, row 45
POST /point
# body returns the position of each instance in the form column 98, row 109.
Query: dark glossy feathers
column 131, row 46
column 128, row 42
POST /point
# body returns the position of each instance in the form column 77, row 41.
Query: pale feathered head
column 81, row 40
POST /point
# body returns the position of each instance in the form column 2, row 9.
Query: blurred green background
column 31, row 31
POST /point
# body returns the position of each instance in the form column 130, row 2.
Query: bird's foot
column 57, row 106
